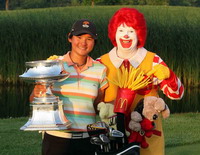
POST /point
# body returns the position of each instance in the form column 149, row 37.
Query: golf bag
column 110, row 141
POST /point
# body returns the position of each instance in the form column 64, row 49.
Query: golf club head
column 96, row 141
column 115, row 133
column 104, row 138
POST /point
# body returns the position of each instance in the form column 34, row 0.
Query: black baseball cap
column 83, row 26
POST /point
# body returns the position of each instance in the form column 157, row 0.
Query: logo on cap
column 86, row 24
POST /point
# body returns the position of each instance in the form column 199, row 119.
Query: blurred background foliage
column 25, row 4
column 34, row 34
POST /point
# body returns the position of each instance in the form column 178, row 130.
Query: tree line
column 25, row 4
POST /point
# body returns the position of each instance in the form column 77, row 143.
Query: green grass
column 182, row 129
column 192, row 149
column 33, row 34
column 182, row 136
column 16, row 142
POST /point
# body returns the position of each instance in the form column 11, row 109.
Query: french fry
column 115, row 82
column 120, row 80
column 133, row 79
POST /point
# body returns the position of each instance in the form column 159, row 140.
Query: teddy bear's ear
column 159, row 105
column 166, row 112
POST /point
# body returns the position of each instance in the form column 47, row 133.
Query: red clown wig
column 132, row 18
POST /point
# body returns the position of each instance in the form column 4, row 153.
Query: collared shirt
column 68, row 60
column 79, row 91
column 135, row 61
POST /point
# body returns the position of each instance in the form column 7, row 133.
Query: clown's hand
column 160, row 71
column 53, row 57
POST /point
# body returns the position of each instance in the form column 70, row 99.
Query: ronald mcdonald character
column 127, row 31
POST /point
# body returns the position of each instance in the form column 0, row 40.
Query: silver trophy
column 47, row 109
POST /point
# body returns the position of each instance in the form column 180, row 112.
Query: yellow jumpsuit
column 156, row 143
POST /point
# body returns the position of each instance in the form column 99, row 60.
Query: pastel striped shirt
column 79, row 91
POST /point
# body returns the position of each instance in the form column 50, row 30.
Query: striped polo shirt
column 79, row 91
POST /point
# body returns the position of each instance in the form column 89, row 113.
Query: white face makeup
column 126, row 38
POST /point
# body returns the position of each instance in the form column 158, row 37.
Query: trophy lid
column 45, row 78
column 45, row 63
column 44, row 71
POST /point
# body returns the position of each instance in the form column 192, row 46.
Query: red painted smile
column 126, row 43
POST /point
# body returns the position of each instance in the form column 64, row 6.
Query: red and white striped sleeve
column 171, row 87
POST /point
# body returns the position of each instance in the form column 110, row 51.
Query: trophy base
column 47, row 117
column 45, row 127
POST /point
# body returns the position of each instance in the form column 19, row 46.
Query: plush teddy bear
column 106, row 112
column 142, row 124
column 147, row 130
column 107, row 115
column 152, row 106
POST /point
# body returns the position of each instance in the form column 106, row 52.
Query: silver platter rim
column 45, row 77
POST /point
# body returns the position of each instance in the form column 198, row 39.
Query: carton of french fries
column 128, row 82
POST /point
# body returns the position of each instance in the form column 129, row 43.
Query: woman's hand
column 38, row 91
